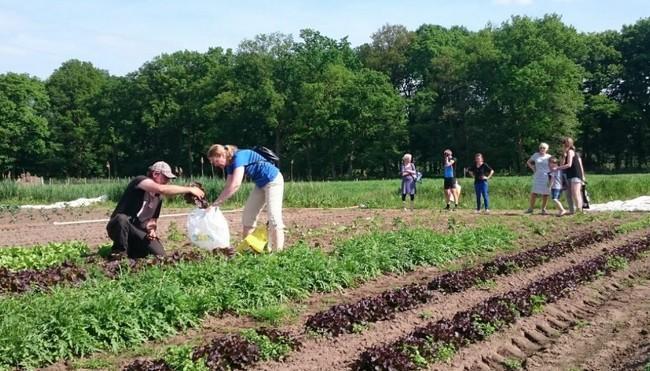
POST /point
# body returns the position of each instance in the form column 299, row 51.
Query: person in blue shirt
column 450, row 184
column 269, row 188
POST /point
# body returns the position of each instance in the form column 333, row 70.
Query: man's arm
column 149, row 185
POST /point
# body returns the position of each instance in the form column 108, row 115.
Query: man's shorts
column 450, row 183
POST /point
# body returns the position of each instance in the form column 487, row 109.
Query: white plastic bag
column 208, row 229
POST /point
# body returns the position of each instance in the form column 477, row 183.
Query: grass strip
column 38, row 329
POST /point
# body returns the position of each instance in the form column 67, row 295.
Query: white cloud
column 513, row 2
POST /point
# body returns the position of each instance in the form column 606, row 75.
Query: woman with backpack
column 269, row 187
column 409, row 178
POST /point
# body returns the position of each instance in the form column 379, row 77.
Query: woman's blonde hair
column 543, row 145
column 228, row 151
column 407, row 156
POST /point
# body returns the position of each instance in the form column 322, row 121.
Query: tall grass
column 505, row 192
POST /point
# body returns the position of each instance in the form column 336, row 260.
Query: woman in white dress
column 538, row 163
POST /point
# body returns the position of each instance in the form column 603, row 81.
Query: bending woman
column 269, row 188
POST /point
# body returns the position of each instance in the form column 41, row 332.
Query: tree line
column 332, row 111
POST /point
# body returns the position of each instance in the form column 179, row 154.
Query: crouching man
column 133, row 224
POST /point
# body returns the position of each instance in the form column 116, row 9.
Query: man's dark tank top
column 138, row 204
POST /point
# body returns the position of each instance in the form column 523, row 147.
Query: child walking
column 555, row 180
column 481, row 172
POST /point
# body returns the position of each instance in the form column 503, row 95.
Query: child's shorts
column 555, row 194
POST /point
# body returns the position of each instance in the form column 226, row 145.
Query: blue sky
column 36, row 36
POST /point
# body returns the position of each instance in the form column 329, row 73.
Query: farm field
column 394, row 247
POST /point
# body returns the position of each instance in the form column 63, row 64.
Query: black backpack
column 268, row 155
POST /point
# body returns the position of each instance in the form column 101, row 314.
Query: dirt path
column 318, row 227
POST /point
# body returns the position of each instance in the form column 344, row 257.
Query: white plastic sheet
column 638, row 204
column 208, row 229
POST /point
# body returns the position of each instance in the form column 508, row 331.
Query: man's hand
column 152, row 235
column 198, row 192
column 151, row 227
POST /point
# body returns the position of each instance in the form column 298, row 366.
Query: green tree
column 23, row 125
column 388, row 53
column 634, row 91
column 75, row 133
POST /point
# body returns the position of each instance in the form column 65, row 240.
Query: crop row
column 42, row 256
column 104, row 313
column 438, row 340
column 228, row 352
column 343, row 318
column 69, row 272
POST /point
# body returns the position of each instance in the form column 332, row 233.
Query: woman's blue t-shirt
column 449, row 171
column 256, row 167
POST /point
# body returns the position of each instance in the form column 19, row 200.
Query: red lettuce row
column 424, row 343
column 229, row 352
column 503, row 265
column 32, row 279
column 343, row 318
column 29, row 279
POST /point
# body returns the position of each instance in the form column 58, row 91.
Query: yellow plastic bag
column 256, row 241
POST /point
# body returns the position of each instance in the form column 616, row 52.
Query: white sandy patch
column 80, row 202
column 638, row 204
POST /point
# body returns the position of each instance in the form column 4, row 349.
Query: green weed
column 179, row 358
column 486, row 284
column 537, row 303
column 444, row 352
column 486, row 328
column 268, row 348
column 616, row 263
column 513, row 364
column 173, row 233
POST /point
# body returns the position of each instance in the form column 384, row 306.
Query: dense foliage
column 499, row 90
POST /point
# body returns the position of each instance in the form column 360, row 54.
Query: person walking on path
column 450, row 185
column 408, row 174
column 268, row 190
column 481, row 172
column 538, row 163
column 133, row 224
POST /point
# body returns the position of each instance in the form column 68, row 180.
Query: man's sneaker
column 487, row 211
column 477, row 211
column 529, row 211
column 544, row 212
column 447, row 207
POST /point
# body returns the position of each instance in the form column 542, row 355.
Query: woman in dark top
column 133, row 224
column 481, row 172
column 572, row 167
